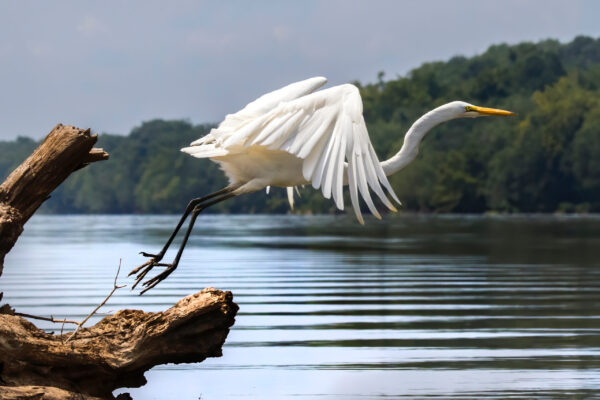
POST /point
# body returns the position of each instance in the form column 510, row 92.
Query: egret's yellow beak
column 490, row 111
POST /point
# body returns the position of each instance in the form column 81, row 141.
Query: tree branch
column 114, row 289
column 50, row 319
column 63, row 151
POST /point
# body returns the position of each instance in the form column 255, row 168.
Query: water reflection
column 412, row 306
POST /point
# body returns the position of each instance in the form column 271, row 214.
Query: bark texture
column 63, row 151
column 41, row 392
column 116, row 351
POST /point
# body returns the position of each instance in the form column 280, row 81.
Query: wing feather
column 256, row 110
column 276, row 139
column 363, row 187
column 312, row 158
column 332, row 155
column 317, row 175
column 353, row 192
column 269, row 101
column 324, row 131
column 373, row 180
column 338, row 183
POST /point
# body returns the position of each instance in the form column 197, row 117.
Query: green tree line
column 545, row 160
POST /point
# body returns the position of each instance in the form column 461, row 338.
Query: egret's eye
column 469, row 108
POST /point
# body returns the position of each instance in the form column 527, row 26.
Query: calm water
column 411, row 307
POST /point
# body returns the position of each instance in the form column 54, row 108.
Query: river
column 412, row 306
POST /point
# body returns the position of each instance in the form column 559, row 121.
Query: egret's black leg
column 171, row 267
column 156, row 258
column 193, row 203
column 150, row 283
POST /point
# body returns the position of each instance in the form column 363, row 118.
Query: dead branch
column 78, row 323
column 117, row 350
column 49, row 319
column 64, row 150
column 114, row 289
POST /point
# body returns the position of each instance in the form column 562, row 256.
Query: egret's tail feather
column 204, row 151
column 290, row 195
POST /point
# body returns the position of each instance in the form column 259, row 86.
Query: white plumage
column 295, row 136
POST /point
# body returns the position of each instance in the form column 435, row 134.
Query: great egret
column 295, row 136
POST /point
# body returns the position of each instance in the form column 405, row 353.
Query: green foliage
column 545, row 160
column 13, row 153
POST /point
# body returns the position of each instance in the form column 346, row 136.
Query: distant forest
column 545, row 160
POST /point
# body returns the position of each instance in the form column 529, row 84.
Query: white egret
column 295, row 136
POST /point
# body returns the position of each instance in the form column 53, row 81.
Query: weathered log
column 63, row 151
column 43, row 392
column 117, row 350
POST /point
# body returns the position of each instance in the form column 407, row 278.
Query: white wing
column 325, row 129
column 209, row 145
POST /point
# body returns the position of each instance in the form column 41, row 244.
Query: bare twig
column 68, row 321
column 62, row 327
column 115, row 287
column 51, row 319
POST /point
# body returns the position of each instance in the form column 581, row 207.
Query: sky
column 110, row 65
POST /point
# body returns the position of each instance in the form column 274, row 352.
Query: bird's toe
column 156, row 257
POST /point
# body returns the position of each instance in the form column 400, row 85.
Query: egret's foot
column 157, row 257
column 143, row 270
column 150, row 283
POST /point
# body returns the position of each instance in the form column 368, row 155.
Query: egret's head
column 466, row 110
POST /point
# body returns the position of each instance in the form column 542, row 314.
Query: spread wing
column 327, row 131
column 210, row 145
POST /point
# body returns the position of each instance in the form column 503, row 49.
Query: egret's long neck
column 413, row 137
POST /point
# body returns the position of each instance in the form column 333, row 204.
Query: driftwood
column 117, row 350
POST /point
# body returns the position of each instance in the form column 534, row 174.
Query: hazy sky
column 110, row 65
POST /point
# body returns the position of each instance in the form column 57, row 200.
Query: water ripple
column 410, row 307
